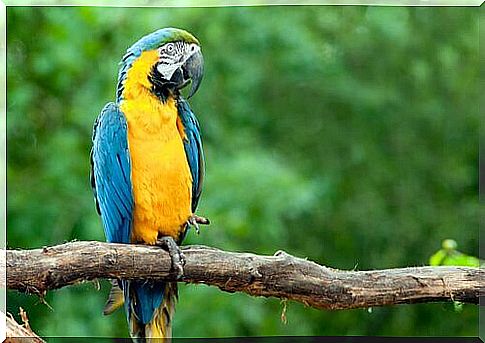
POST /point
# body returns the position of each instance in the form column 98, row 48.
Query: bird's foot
column 195, row 220
column 176, row 255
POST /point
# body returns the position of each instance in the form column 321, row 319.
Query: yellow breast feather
column 160, row 174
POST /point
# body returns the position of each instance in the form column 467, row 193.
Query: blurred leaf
column 449, row 256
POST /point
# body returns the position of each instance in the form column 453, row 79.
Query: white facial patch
column 167, row 69
column 173, row 56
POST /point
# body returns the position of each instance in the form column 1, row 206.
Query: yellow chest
column 160, row 173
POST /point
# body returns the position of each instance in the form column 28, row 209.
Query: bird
column 147, row 169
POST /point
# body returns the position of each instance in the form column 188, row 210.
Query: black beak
column 193, row 69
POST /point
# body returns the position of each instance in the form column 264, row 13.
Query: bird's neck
column 147, row 115
column 137, row 75
column 134, row 74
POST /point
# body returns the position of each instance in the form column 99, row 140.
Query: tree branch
column 281, row 275
column 16, row 333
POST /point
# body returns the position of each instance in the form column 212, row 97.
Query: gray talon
column 194, row 220
column 193, row 223
column 176, row 255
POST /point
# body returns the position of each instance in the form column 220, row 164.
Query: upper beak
column 194, row 69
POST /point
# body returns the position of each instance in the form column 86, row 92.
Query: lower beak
column 194, row 69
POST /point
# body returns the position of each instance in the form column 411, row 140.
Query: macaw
column 147, row 168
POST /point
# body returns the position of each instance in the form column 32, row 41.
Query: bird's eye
column 192, row 48
column 167, row 49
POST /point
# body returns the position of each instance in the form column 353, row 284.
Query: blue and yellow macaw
column 147, row 168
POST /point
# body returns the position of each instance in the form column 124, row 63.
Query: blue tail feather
column 147, row 297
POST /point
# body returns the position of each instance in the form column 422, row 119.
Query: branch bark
column 282, row 275
column 16, row 333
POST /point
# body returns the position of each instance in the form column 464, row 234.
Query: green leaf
column 448, row 256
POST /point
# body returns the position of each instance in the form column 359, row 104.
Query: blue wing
column 193, row 149
column 111, row 174
column 113, row 193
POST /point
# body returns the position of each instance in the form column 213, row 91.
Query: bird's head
column 164, row 61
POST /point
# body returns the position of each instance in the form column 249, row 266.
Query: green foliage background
column 348, row 135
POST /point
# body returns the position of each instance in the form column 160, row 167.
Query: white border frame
column 161, row 3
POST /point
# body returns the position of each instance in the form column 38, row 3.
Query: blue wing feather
column 113, row 192
column 193, row 150
column 110, row 174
